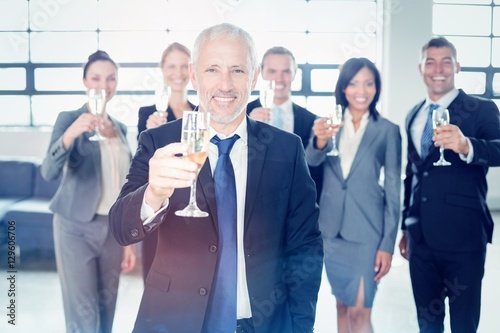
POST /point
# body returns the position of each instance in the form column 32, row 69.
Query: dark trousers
column 436, row 275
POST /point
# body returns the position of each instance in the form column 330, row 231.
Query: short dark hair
column 438, row 42
column 279, row 50
column 99, row 55
column 347, row 71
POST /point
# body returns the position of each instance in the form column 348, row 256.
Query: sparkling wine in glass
column 97, row 101
column 161, row 97
column 440, row 118
column 266, row 93
column 195, row 133
column 335, row 118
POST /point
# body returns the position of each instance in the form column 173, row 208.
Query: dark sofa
column 24, row 199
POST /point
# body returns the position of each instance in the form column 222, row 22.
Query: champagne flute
column 195, row 133
column 440, row 117
column 161, row 96
column 266, row 93
column 335, row 118
column 97, row 100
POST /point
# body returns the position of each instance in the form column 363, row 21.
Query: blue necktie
column 427, row 134
column 221, row 317
column 277, row 117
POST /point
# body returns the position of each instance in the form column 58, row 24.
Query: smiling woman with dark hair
column 360, row 200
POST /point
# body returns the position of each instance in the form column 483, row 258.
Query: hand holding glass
column 96, row 100
column 161, row 97
column 195, row 133
column 266, row 93
column 335, row 118
column 440, row 118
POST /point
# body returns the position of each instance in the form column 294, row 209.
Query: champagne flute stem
column 192, row 194
column 334, row 142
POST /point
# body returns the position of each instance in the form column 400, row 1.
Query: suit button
column 344, row 186
column 213, row 248
column 203, row 291
column 425, row 174
column 134, row 232
column 424, row 199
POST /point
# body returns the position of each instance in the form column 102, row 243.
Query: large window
column 45, row 42
column 477, row 41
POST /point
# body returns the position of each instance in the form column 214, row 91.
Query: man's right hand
column 404, row 247
column 261, row 114
column 168, row 172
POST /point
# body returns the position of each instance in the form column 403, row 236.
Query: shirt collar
column 241, row 130
column 444, row 101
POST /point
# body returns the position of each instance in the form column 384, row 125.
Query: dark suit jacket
column 146, row 111
column 283, row 247
column 446, row 206
column 303, row 121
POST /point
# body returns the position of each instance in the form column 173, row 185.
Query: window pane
column 63, row 15
column 14, row 46
column 467, row 2
column 139, row 79
column 125, row 107
column 471, row 82
column 12, row 13
column 66, row 79
column 456, row 20
column 496, row 84
column 54, row 47
column 324, row 79
column 46, row 108
column 472, row 51
column 15, row 110
column 495, row 52
column 12, row 79
column 496, row 21
column 320, row 105
column 333, row 48
column 339, row 16
column 295, row 42
column 137, row 15
column 134, row 46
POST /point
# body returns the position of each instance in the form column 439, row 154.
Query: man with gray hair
column 254, row 263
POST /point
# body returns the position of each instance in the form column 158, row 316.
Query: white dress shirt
column 350, row 140
column 286, row 115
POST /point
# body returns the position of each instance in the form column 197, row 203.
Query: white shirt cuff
column 468, row 159
column 148, row 214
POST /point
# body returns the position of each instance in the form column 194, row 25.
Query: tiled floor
column 39, row 305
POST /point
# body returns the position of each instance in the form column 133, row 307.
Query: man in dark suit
column 446, row 222
column 279, row 65
column 279, row 247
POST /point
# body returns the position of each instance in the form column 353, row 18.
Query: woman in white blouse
column 360, row 200
column 89, row 260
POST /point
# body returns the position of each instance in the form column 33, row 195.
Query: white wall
column 407, row 27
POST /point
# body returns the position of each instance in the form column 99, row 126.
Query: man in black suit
column 279, row 65
column 446, row 222
column 279, row 247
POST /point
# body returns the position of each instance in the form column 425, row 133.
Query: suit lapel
column 257, row 151
column 367, row 140
column 206, row 182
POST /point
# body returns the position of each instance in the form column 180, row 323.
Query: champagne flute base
column 333, row 153
column 191, row 211
column 97, row 137
column 441, row 162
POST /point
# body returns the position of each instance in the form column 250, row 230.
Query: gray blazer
column 78, row 195
column 360, row 208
